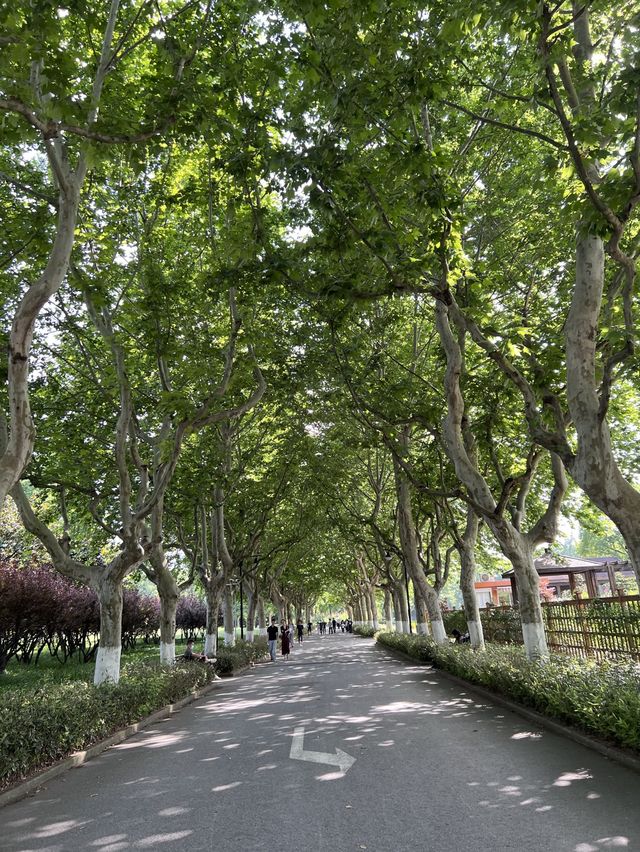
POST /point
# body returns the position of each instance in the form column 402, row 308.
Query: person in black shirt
column 272, row 637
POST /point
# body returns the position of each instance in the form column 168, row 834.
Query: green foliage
column 365, row 631
column 44, row 724
column 233, row 657
column 602, row 699
column 44, row 721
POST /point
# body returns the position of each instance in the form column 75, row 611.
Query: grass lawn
column 50, row 670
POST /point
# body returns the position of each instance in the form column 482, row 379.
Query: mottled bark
column 252, row 601
column 229, row 631
column 262, row 619
column 467, row 552
column 374, row 608
column 427, row 594
column 107, row 668
column 422, row 615
column 387, row 610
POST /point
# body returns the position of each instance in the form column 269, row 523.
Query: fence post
column 632, row 639
column 586, row 636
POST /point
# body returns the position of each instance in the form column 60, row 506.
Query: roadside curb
column 25, row 788
column 611, row 752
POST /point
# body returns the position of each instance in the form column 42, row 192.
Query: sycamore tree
column 572, row 92
column 74, row 83
column 388, row 162
column 121, row 366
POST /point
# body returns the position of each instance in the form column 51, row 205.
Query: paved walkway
column 435, row 770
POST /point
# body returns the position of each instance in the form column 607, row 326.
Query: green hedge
column 364, row 630
column 600, row 698
column 41, row 725
column 230, row 658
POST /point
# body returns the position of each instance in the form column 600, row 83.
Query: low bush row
column 364, row 630
column 230, row 658
column 600, row 698
column 42, row 725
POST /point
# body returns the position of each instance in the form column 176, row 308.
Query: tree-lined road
column 432, row 768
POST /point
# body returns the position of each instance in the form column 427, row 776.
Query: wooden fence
column 602, row 628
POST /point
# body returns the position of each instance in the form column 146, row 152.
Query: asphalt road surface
column 421, row 764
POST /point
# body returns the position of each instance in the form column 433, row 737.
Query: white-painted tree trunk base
column 167, row 653
column 535, row 641
column 210, row 644
column 423, row 628
column 249, row 635
column 375, row 625
column 405, row 626
column 439, row 633
column 107, row 665
column 399, row 627
column 229, row 638
column 476, row 637
column 389, row 626
column 262, row 631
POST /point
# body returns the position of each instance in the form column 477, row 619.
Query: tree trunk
column 229, row 632
column 366, row 606
column 169, row 593
column 405, row 609
column 251, row 614
column 397, row 610
column 211, row 634
column 387, row 610
column 374, row 608
column 594, row 467
column 107, row 668
column 512, row 542
column 467, row 554
column 262, row 619
column 409, row 543
column 435, row 616
column 422, row 615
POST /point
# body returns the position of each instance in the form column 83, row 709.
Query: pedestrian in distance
column 309, row 628
column 272, row 638
column 285, row 644
column 300, row 629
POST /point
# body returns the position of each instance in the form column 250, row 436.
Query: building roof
column 547, row 565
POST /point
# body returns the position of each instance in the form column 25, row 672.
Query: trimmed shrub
column 233, row 657
column 43, row 725
column 602, row 699
column 365, row 631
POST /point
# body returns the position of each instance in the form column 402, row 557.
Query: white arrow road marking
column 340, row 758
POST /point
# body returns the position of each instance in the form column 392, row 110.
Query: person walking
column 300, row 628
column 284, row 641
column 272, row 638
